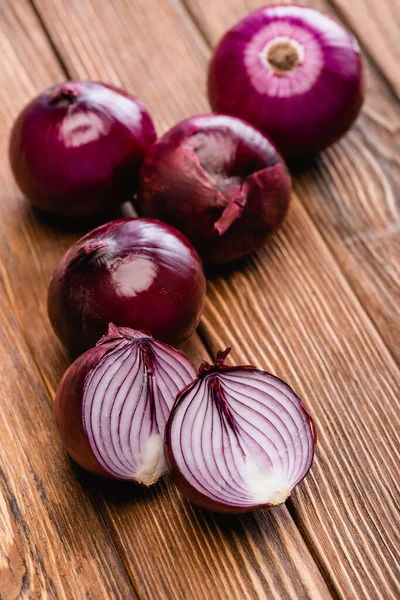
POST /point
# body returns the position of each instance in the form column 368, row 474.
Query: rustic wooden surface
column 319, row 306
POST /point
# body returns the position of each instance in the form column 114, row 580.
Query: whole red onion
column 113, row 402
column 238, row 439
column 294, row 73
column 136, row 273
column 219, row 181
column 77, row 148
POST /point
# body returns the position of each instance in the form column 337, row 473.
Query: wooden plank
column 292, row 311
column 169, row 548
column 377, row 24
column 354, row 203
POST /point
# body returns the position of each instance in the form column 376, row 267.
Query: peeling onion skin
column 219, row 181
column 241, row 474
column 138, row 273
column 294, row 73
column 119, row 394
column 77, row 148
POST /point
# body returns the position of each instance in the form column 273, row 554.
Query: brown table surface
column 319, row 306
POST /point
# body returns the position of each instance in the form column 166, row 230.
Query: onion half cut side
column 113, row 403
column 238, row 439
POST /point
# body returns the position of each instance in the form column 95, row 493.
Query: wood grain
column 169, row 548
column 291, row 310
column 174, row 549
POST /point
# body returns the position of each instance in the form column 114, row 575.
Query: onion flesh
column 294, row 73
column 238, row 439
column 113, row 403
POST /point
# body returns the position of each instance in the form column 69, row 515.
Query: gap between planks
column 50, row 40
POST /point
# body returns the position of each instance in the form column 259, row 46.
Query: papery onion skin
column 314, row 96
column 77, row 148
column 137, row 273
column 72, row 393
column 219, row 181
column 182, row 465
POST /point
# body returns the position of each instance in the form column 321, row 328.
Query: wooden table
column 319, row 306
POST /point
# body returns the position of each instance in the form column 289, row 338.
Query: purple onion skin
column 303, row 109
column 77, row 148
column 219, row 181
column 68, row 410
column 185, row 487
column 69, row 404
column 137, row 273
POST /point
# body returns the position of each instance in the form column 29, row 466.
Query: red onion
column 113, row 402
column 294, row 73
column 137, row 273
column 238, row 439
column 220, row 182
column 77, row 148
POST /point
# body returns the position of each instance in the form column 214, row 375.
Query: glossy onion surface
column 238, row 439
column 219, row 181
column 136, row 273
column 113, row 402
column 78, row 147
column 294, row 73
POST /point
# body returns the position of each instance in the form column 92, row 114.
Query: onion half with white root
column 238, row 439
column 113, row 403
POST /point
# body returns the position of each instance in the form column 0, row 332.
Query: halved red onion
column 238, row 439
column 113, row 402
column 294, row 73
